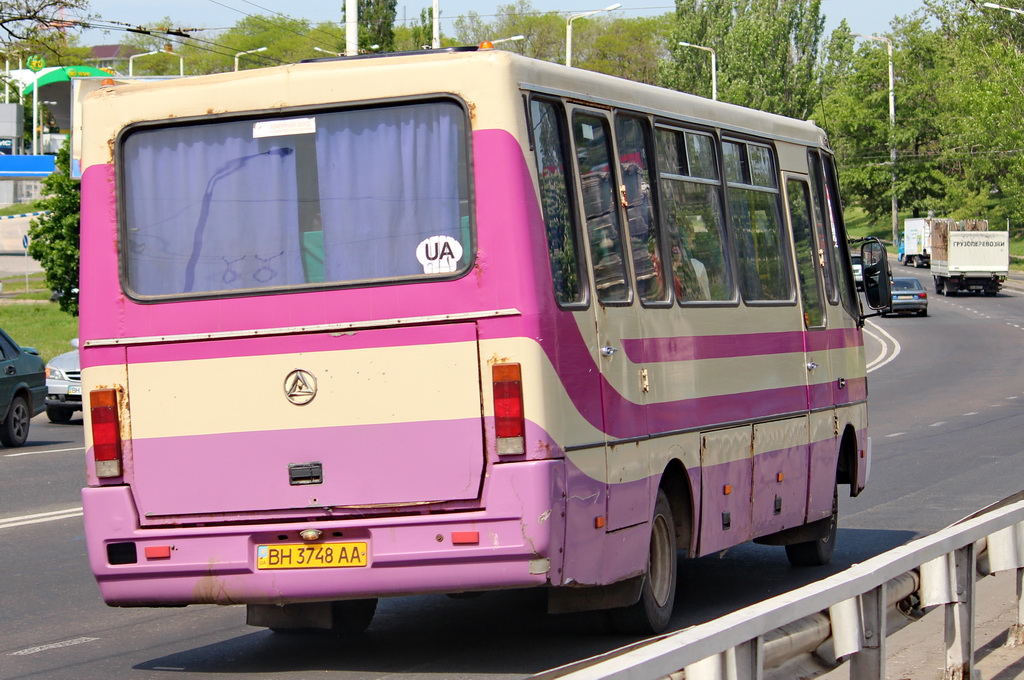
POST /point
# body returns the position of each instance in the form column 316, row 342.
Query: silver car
column 63, row 386
column 858, row 270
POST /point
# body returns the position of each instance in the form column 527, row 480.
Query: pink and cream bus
column 456, row 321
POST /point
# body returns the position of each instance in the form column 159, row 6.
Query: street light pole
column 513, row 38
column 714, row 67
column 181, row 60
column 568, row 28
column 351, row 28
column 892, row 131
column 992, row 5
column 131, row 61
column 258, row 49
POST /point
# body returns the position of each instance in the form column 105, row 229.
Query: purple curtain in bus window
column 389, row 178
column 209, row 208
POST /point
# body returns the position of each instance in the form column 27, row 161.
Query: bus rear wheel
column 652, row 612
column 818, row 552
column 348, row 617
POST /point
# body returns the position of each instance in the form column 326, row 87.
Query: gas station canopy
column 55, row 89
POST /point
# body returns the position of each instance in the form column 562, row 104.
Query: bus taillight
column 106, row 432
column 509, row 424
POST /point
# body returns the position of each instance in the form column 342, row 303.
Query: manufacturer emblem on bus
column 300, row 387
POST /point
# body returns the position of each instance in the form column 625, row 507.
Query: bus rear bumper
column 512, row 543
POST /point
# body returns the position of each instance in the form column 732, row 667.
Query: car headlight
column 54, row 373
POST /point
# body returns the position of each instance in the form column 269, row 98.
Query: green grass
column 41, row 325
column 20, row 209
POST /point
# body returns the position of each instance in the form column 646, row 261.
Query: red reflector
column 465, row 537
column 158, row 552
column 508, row 400
column 106, row 431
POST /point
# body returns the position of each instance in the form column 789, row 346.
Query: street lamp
column 166, row 50
column 892, row 130
column 568, row 28
column 992, row 5
column 501, row 40
column 238, row 54
column 714, row 66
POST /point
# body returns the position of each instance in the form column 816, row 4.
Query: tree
column 54, row 236
column 377, row 25
column 543, row 32
column 768, row 52
column 27, row 20
column 980, row 162
column 417, row 34
column 628, row 48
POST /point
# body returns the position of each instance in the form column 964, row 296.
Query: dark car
column 22, row 390
column 908, row 295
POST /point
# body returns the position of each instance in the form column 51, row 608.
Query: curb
column 12, row 217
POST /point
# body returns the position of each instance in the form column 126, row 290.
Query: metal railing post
column 869, row 663
column 1015, row 637
column 960, row 617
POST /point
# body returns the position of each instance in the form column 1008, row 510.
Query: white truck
column 966, row 256
column 916, row 246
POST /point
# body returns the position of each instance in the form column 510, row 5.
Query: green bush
column 54, row 236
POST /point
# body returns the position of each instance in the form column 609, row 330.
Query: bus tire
column 59, row 415
column 818, row 552
column 14, row 429
column 352, row 616
column 651, row 613
column 348, row 617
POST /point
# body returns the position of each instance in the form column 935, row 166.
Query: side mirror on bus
column 877, row 276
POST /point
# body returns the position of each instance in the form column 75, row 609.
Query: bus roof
column 473, row 74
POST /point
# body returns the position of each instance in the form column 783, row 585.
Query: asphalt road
column 947, row 414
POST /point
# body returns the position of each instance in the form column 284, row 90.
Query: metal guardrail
column 848, row 608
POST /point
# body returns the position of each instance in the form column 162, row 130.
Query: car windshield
column 906, row 284
column 856, row 259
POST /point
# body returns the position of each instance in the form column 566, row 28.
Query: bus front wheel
column 652, row 612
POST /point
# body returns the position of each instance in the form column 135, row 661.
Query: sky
column 869, row 17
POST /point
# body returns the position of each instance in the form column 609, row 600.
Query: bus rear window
column 318, row 199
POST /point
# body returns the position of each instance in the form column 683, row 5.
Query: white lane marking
column 34, row 453
column 40, row 517
column 1010, row 398
column 882, row 359
column 53, row 645
column 971, row 413
column 941, row 422
column 895, row 434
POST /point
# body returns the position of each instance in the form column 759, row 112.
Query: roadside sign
column 36, row 63
column 24, row 241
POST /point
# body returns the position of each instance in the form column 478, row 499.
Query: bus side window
column 636, row 194
column 847, row 291
column 592, row 143
column 757, row 225
column 807, row 256
column 553, row 174
column 822, row 226
column 691, row 194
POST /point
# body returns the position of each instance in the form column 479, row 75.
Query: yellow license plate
column 311, row 556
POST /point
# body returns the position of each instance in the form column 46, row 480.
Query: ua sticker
column 439, row 254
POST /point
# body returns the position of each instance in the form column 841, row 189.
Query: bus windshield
column 268, row 202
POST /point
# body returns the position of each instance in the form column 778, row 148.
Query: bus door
column 618, row 346
column 812, row 257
